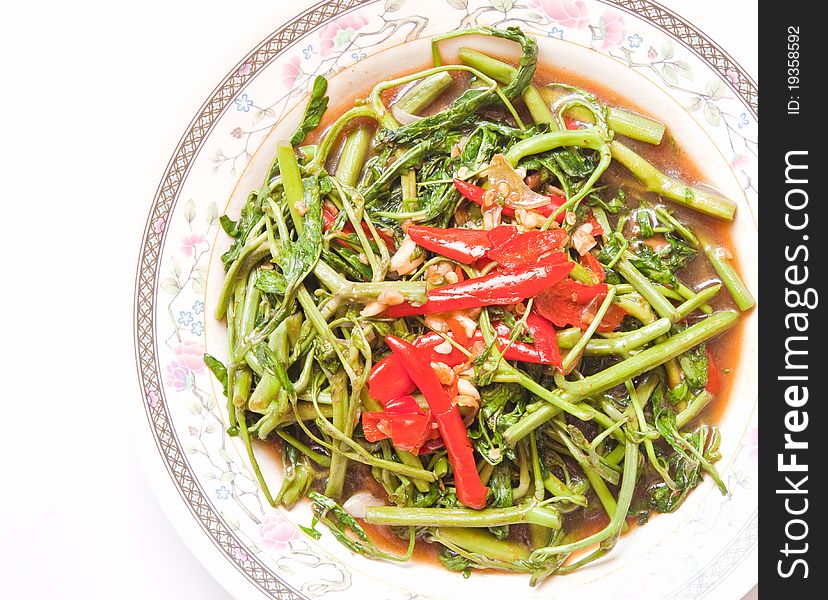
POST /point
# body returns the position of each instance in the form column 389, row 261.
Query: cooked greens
column 487, row 310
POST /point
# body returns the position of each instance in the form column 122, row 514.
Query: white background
column 94, row 98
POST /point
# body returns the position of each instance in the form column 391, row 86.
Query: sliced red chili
column 463, row 245
column 588, row 261
column 408, row 431
column 714, row 376
column 470, row 490
column 564, row 304
column 546, row 339
column 404, row 404
column 475, row 194
column 499, row 288
column 388, row 379
column 513, row 249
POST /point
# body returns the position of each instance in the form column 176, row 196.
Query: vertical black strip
column 792, row 258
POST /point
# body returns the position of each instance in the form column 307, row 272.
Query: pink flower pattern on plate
column 277, row 532
column 569, row 13
column 178, row 376
column 190, row 355
column 291, row 71
column 190, row 241
column 340, row 32
column 614, row 30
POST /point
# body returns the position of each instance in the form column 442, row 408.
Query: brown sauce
column 667, row 156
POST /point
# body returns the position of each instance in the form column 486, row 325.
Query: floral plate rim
column 165, row 437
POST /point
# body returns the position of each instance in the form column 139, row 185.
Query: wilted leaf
column 212, row 212
column 190, row 211
column 262, row 114
column 684, row 69
column 715, row 89
column 170, row 285
column 712, row 114
column 232, row 522
column 670, row 73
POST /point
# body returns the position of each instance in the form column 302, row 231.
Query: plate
column 679, row 76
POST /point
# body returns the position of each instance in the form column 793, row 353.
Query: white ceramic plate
column 633, row 47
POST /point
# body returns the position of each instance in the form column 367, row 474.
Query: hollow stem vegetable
column 479, row 541
column 504, row 73
column 425, row 92
column 730, row 278
column 620, row 372
column 292, row 182
column 619, row 120
column 705, row 201
column 625, row 496
column 352, row 158
column 645, row 287
column 530, row 512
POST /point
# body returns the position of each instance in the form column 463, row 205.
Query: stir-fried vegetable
column 479, row 309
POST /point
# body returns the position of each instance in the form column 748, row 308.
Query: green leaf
column 684, row 69
column 668, row 50
column 712, row 114
column 694, row 365
column 317, row 105
column 670, row 73
column 393, row 5
column 218, row 369
column 212, row 212
column 170, row 285
column 503, row 5
column 694, row 104
column 190, row 210
column 271, row 281
column 459, row 4
column 715, row 89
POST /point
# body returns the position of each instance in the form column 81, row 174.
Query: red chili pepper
column 404, row 404
column 714, row 376
column 475, row 193
column 588, row 261
column 564, row 303
column 463, row 245
column 388, row 379
column 596, row 226
column 546, row 339
column 519, row 351
column 408, row 431
column 470, row 490
column 458, row 331
column 501, row 287
column 513, row 249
